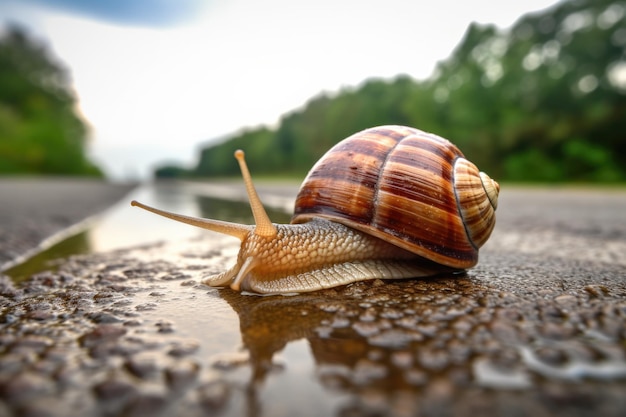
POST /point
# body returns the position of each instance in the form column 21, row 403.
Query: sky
column 159, row 79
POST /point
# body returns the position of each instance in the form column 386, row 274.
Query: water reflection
column 368, row 340
column 74, row 245
column 235, row 211
column 124, row 226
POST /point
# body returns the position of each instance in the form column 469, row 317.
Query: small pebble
column 24, row 386
column 597, row 291
column 366, row 329
column 214, row 395
column 146, row 307
column 165, row 326
column 365, row 371
column 402, row 359
column 41, row 315
column 551, row 356
column 231, row 361
column 560, row 331
column 103, row 317
column 394, row 338
column 31, row 343
column 329, row 307
column 114, row 389
column 184, row 348
column 147, row 405
column 181, row 374
column 11, row 363
column 340, row 322
column 143, row 368
column 566, row 301
column 433, row 359
column 391, row 313
column 416, row 377
column 102, row 333
column 368, row 315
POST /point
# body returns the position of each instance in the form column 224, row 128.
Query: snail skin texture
column 388, row 202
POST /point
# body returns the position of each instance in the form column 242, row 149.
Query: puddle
column 123, row 226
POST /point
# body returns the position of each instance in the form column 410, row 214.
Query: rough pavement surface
column 33, row 209
column 538, row 328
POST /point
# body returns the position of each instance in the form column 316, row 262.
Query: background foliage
column 543, row 101
column 40, row 130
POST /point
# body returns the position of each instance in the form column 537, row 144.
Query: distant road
column 33, row 209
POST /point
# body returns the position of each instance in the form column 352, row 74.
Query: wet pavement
column 37, row 212
column 538, row 328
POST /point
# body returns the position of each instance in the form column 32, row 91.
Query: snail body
column 387, row 202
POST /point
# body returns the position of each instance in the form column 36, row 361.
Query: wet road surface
column 35, row 209
column 538, row 328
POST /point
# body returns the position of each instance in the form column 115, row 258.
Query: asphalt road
column 537, row 328
column 35, row 209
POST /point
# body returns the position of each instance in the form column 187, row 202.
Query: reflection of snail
column 365, row 339
column 268, row 324
column 387, row 202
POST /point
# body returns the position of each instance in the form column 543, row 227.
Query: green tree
column 543, row 101
column 40, row 131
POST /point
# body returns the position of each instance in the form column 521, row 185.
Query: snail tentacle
column 237, row 230
column 264, row 226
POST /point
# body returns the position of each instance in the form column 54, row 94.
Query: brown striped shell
column 410, row 188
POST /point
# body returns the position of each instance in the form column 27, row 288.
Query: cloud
column 129, row 12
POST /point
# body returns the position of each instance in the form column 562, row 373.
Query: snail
column 388, row 202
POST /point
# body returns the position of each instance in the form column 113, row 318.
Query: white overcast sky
column 154, row 90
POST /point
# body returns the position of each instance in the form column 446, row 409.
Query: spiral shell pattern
column 408, row 187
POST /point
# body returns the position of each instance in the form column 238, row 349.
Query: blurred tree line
column 40, row 130
column 543, row 101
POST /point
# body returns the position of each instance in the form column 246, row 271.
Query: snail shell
column 407, row 187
